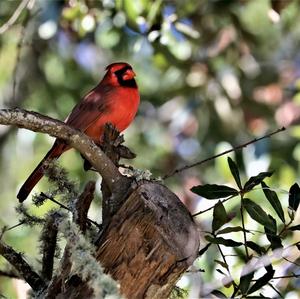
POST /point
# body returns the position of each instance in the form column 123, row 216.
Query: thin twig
column 55, row 201
column 10, row 274
column 294, row 263
column 208, row 209
column 178, row 170
column 227, row 268
column 283, row 276
column 14, row 16
column 14, row 226
column 244, row 230
column 271, row 286
column 195, row 271
column 68, row 209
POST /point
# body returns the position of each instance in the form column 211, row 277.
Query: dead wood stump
column 149, row 242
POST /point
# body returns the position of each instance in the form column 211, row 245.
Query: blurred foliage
column 212, row 74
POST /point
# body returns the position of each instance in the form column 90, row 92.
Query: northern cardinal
column 114, row 100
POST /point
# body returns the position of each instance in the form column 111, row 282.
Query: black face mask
column 122, row 82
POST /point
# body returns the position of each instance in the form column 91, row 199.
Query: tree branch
column 38, row 123
column 66, row 208
column 82, row 205
column 26, row 272
column 210, row 208
column 9, row 273
column 49, row 243
column 14, row 16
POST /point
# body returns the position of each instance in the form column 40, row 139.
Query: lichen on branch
column 39, row 123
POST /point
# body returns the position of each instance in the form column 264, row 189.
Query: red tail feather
column 38, row 173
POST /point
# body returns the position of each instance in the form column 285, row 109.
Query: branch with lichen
column 80, row 266
column 17, row 260
column 38, row 123
column 82, row 205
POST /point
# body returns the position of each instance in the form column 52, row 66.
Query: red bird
column 114, row 100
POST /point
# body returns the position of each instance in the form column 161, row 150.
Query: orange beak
column 129, row 74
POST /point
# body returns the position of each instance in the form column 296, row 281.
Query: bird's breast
column 122, row 106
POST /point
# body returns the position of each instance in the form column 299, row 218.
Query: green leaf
column 274, row 201
column 212, row 191
column 219, row 294
column 224, row 265
column 291, row 214
column 235, row 172
column 240, row 254
column 219, row 216
column 256, row 180
column 263, row 280
column 271, row 235
column 294, row 197
column 257, row 213
column 245, row 282
column 293, row 228
column 222, row 241
column 275, row 241
column 231, row 229
column 260, row 250
column 204, row 249
column 273, row 228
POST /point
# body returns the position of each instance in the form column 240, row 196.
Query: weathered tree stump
column 149, row 242
column 146, row 246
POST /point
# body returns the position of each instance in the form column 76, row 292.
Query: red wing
column 88, row 110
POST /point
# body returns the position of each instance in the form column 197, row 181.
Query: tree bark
column 146, row 247
column 149, row 242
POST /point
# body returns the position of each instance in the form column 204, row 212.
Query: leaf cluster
column 275, row 233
